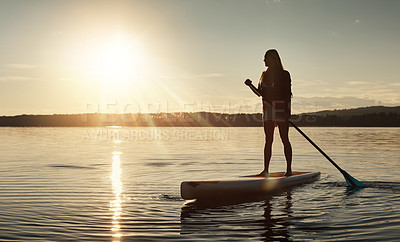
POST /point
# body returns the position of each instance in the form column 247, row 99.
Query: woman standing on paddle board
column 275, row 89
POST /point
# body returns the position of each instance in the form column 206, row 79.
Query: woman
column 275, row 88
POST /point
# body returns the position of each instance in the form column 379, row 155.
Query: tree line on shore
column 386, row 117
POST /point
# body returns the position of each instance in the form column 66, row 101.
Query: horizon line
column 201, row 111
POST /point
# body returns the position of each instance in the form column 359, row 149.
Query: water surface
column 104, row 184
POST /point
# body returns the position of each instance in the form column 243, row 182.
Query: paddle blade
column 351, row 181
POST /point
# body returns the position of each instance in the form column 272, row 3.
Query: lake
column 122, row 184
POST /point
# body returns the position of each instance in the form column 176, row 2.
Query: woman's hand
column 247, row 82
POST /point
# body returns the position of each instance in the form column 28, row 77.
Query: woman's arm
column 252, row 87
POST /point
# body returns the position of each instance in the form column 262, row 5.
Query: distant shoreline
column 375, row 116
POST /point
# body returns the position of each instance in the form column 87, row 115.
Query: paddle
column 351, row 181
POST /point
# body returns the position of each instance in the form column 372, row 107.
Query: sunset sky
column 189, row 55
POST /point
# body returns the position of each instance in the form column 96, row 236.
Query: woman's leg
column 284, row 134
column 269, row 126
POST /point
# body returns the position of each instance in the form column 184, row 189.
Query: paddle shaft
column 346, row 175
column 316, row 146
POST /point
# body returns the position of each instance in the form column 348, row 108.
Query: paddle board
column 241, row 186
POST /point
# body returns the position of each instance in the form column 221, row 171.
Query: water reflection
column 276, row 226
column 116, row 203
column 269, row 219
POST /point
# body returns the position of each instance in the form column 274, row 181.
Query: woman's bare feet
column 288, row 173
column 264, row 173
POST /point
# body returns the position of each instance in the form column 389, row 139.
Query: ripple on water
column 104, row 185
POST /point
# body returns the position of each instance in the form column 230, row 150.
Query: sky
column 82, row 56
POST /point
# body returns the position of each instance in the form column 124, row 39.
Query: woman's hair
column 274, row 60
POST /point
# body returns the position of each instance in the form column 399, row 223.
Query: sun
column 118, row 61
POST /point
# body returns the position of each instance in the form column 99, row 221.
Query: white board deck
column 240, row 186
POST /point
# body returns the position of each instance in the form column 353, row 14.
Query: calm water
column 112, row 184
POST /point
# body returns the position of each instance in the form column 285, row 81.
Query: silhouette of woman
column 275, row 88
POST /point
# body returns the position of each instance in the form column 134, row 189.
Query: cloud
column 337, row 95
column 175, row 77
column 192, row 77
column 356, row 83
column 314, row 104
column 396, row 84
column 308, row 83
column 19, row 66
column 15, row 78
column 272, row 1
column 211, row 75
column 383, row 91
column 14, row 72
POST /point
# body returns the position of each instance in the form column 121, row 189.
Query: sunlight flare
column 117, row 62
